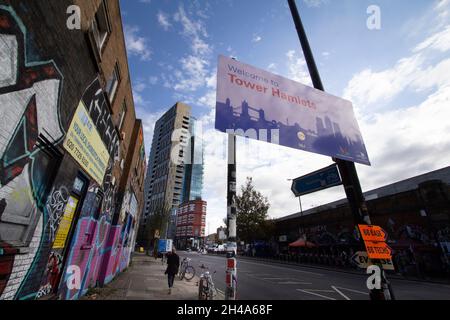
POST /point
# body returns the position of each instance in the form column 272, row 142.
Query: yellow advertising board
column 64, row 225
column 86, row 146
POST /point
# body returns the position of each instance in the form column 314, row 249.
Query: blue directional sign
column 318, row 180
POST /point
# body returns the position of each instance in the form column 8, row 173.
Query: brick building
column 414, row 212
column 79, row 174
column 191, row 217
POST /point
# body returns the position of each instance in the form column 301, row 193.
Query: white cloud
column 139, row 86
column 368, row 87
column 194, row 31
column 194, row 73
column 153, row 80
column 439, row 41
column 208, row 100
column 136, row 45
column 256, row 39
column 272, row 67
column 372, row 90
column 163, row 20
column 297, row 68
column 407, row 142
column 315, row 3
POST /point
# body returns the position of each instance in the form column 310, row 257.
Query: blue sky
column 398, row 78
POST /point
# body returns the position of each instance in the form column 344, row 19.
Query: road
column 258, row 280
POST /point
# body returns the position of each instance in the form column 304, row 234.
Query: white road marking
column 293, row 282
column 353, row 290
column 340, row 292
column 269, row 265
column 316, row 294
column 282, row 268
column 274, row 278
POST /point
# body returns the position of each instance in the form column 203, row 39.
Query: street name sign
column 372, row 233
column 361, row 260
column 318, row 180
column 264, row 106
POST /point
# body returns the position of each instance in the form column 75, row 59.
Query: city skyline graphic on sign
column 325, row 139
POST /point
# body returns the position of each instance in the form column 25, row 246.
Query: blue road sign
column 164, row 245
column 318, row 180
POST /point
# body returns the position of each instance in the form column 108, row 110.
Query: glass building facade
column 193, row 177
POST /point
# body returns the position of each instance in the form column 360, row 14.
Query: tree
column 252, row 207
column 158, row 221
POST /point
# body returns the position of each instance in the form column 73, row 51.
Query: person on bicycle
column 173, row 264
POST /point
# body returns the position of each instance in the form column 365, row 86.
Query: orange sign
column 378, row 250
column 372, row 233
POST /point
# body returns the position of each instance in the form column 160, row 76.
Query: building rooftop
column 394, row 188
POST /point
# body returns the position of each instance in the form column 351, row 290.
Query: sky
column 397, row 77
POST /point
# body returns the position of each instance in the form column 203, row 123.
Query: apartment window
column 123, row 113
column 113, row 83
column 101, row 28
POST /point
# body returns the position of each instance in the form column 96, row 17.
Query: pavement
column 145, row 280
column 262, row 280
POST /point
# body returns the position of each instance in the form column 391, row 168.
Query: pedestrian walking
column 173, row 264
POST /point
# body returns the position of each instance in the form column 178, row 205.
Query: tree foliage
column 158, row 221
column 252, row 217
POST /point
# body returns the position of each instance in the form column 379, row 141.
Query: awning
column 302, row 243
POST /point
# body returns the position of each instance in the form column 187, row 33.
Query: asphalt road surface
column 259, row 280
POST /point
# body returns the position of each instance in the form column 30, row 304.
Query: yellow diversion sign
column 86, row 146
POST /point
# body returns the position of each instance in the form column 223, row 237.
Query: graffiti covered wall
column 29, row 105
column 47, row 225
column 95, row 239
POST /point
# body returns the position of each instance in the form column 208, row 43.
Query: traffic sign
column 315, row 181
column 361, row 260
column 372, row 233
column 165, row 245
column 267, row 107
column 378, row 250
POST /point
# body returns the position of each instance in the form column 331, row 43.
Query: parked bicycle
column 186, row 270
column 206, row 288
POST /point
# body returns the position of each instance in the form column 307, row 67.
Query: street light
column 299, row 200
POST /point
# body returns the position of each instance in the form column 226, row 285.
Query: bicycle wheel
column 201, row 290
column 189, row 273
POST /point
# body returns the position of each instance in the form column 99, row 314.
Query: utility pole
column 347, row 169
column 231, row 271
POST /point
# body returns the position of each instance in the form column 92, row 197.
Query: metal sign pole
column 231, row 270
column 300, row 202
column 347, row 169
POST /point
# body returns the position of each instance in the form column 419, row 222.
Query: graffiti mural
column 95, row 100
column 55, row 209
column 52, row 274
column 29, row 105
column 95, row 244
